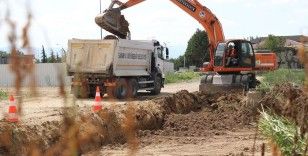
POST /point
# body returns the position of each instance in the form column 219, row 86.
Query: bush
column 3, row 95
column 280, row 76
column 178, row 77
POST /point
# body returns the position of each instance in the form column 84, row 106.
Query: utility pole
column 100, row 11
column 184, row 61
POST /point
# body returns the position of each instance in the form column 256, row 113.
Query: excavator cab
column 235, row 56
column 234, row 61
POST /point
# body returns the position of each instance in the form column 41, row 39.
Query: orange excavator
column 233, row 63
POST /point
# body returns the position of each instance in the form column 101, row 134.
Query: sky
column 56, row 21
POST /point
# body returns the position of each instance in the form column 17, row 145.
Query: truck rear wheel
column 80, row 91
column 121, row 89
column 133, row 88
column 92, row 91
column 110, row 92
column 157, row 85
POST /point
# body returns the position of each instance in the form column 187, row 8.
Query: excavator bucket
column 112, row 21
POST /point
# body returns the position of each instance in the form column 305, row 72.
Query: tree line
column 196, row 52
column 51, row 58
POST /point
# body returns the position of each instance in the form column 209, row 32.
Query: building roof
column 291, row 41
column 296, row 38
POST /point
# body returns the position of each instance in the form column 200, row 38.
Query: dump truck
column 119, row 67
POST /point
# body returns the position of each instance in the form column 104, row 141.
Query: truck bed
column 121, row 57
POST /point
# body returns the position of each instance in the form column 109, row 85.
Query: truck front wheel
column 157, row 85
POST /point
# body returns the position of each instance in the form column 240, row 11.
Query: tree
column 3, row 54
column 44, row 57
column 274, row 43
column 197, row 49
column 63, row 55
column 52, row 58
column 58, row 58
column 179, row 62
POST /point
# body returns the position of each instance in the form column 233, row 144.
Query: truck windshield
column 160, row 53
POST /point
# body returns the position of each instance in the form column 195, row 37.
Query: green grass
column 282, row 132
column 280, row 76
column 3, row 95
column 179, row 77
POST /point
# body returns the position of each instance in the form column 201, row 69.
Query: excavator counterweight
column 114, row 22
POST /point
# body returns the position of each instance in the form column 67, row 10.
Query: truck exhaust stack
column 112, row 21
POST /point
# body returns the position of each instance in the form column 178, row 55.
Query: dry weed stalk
column 21, row 66
column 275, row 149
column 130, row 128
column 303, row 56
column 304, row 51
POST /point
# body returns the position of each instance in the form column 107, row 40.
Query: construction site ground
column 189, row 129
column 46, row 105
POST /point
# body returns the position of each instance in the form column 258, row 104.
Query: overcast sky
column 56, row 21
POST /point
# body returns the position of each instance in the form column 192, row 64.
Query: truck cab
column 160, row 57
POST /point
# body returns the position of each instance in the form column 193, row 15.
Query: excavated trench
column 180, row 114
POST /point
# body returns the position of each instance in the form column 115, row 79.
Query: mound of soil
column 218, row 114
column 289, row 101
column 231, row 111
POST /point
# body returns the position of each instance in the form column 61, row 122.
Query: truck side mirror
column 167, row 53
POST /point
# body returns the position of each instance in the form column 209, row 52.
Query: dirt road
column 229, row 143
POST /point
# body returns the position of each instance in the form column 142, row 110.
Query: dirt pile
column 18, row 138
column 233, row 111
column 151, row 115
column 218, row 114
column 181, row 102
column 289, row 101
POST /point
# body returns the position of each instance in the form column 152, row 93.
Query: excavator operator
column 232, row 55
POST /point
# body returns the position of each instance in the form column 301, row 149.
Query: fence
column 46, row 75
column 168, row 67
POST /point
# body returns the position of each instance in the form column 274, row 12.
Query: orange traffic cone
column 97, row 104
column 12, row 115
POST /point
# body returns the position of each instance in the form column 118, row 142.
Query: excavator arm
column 114, row 22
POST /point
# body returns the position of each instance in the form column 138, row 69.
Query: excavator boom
column 112, row 20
